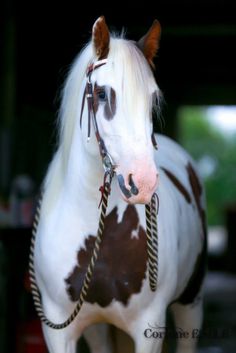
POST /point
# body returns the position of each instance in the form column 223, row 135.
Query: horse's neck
column 83, row 176
column 73, row 183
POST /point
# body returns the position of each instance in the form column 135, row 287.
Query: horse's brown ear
column 101, row 38
column 149, row 43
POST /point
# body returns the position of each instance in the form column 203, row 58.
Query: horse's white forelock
column 131, row 71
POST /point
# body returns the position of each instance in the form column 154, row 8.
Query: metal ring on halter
column 108, row 163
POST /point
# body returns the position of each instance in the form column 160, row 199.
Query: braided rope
column 88, row 276
column 152, row 248
column 151, row 210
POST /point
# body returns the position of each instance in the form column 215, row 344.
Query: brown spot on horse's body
column 121, row 264
column 180, row 187
column 197, row 193
column 195, row 281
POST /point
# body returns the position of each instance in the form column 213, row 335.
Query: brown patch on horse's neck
column 121, row 264
column 178, row 184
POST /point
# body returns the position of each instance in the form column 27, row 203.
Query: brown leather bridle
column 108, row 163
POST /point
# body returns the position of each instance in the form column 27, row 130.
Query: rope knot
column 105, row 188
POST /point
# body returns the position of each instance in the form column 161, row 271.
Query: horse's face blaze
column 121, row 264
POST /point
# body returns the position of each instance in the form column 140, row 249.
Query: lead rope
column 88, row 276
column 151, row 211
column 152, row 249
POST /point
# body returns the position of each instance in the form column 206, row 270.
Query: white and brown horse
column 124, row 95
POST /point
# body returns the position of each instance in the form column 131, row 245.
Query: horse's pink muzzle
column 139, row 182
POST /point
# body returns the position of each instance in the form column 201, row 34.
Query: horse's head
column 124, row 94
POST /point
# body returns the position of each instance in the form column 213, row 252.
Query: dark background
column 38, row 41
column 195, row 64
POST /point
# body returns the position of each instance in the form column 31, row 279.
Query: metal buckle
column 108, row 163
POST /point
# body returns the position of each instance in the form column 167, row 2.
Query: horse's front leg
column 98, row 337
column 188, row 319
column 59, row 340
column 148, row 331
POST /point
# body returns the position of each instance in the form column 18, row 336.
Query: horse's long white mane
column 130, row 70
column 72, row 99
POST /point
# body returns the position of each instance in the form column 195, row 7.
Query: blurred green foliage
column 215, row 152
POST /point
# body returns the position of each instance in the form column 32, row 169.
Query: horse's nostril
column 134, row 190
column 123, row 188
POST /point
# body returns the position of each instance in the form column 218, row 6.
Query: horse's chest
column 121, row 264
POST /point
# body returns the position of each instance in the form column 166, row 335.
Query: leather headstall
column 107, row 160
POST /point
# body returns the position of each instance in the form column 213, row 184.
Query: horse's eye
column 102, row 95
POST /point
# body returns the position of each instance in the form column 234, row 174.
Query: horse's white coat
column 70, row 205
